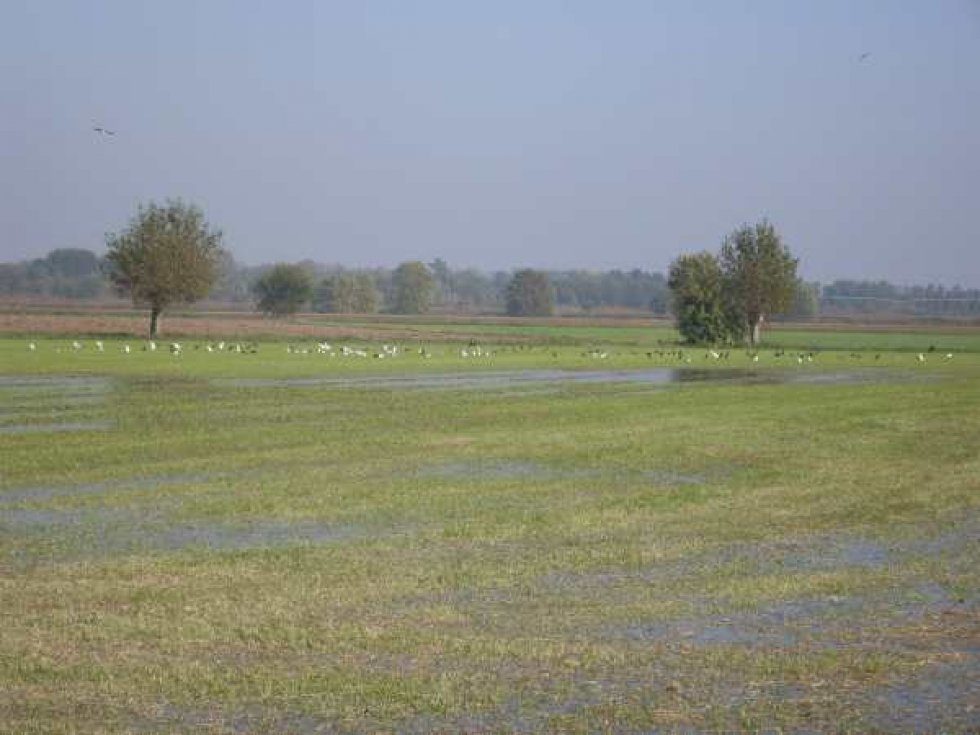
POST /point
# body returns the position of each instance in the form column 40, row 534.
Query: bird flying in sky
column 103, row 131
column 865, row 56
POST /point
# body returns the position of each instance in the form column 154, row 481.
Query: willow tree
column 697, row 288
column 760, row 276
column 167, row 255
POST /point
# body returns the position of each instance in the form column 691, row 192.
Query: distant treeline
column 72, row 273
column 881, row 297
column 78, row 274
column 472, row 290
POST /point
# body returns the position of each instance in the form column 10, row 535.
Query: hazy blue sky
column 497, row 134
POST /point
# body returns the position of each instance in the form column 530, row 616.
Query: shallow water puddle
column 814, row 555
column 113, row 530
column 520, row 469
column 854, row 553
column 74, row 384
column 502, row 470
column 784, row 625
column 28, row 392
column 251, row 535
column 30, row 403
column 57, row 428
column 46, row 492
column 516, row 378
column 941, row 697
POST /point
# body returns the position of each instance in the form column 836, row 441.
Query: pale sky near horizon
column 543, row 133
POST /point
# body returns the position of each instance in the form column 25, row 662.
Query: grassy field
column 568, row 529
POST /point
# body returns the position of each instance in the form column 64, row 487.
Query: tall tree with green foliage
column 760, row 276
column 167, row 255
column 283, row 289
column 697, row 287
column 413, row 286
column 346, row 293
column 529, row 293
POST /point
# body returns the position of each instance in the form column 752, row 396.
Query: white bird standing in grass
column 920, row 357
column 153, row 346
column 99, row 346
column 126, row 349
column 32, row 347
column 76, row 345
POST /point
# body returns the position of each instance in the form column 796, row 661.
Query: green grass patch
column 273, row 540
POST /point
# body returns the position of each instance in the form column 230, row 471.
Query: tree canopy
column 727, row 297
column 413, row 285
column 167, row 255
column 346, row 293
column 283, row 289
column 760, row 276
column 72, row 262
column 529, row 293
column 698, row 288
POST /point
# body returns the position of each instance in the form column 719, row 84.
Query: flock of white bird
column 390, row 351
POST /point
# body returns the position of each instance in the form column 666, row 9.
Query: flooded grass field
column 564, row 537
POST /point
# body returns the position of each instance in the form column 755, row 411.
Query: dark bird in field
column 865, row 56
column 103, row 131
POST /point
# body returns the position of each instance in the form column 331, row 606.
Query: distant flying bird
column 103, row 131
column 865, row 56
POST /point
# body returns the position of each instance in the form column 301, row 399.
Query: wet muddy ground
column 60, row 535
column 923, row 619
column 55, row 404
column 909, row 616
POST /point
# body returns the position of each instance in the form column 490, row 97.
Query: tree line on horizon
column 416, row 287
column 78, row 273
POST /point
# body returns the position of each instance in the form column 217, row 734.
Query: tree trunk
column 154, row 321
column 755, row 333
